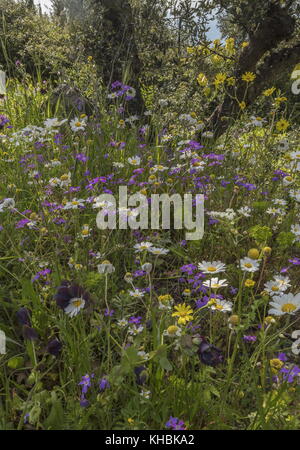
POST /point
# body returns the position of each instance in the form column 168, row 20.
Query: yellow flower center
column 275, row 288
column 77, row 302
column 211, row 269
column 288, row 307
column 172, row 329
column 78, row 124
column 248, row 265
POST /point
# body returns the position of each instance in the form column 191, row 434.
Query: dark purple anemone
column 209, row 354
column 23, row 316
column 54, row 347
column 67, row 291
column 24, row 319
column 140, row 375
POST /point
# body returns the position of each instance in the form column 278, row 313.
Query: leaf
column 165, row 364
column 55, row 419
column 130, row 359
column 15, row 362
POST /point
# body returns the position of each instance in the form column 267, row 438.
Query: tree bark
column 277, row 26
column 120, row 48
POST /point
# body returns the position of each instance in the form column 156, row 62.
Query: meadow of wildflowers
column 143, row 329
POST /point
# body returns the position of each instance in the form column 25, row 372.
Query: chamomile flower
column 158, row 251
column 105, row 267
column 284, row 304
column 134, row 161
column 78, row 124
column 295, row 229
column 217, row 304
column 85, row 232
column 249, row 265
column 71, row 298
column 75, row 204
column 136, row 293
column 211, row 267
column 142, row 246
column 135, row 330
column 122, row 323
column 74, row 307
column 7, row 203
column 145, row 394
column 52, row 123
column 215, row 283
column 275, row 288
column 283, row 282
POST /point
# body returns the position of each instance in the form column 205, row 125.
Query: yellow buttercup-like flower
column 269, row 92
column 282, row 125
column 249, row 283
column 220, row 78
column 248, row 77
column 279, row 100
column 184, row 313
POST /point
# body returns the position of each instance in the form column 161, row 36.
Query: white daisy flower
column 295, row 155
column 220, row 305
column 146, row 394
column 142, row 246
column 283, row 282
column 75, row 204
column 211, row 267
column 284, row 304
column 7, row 203
column 75, row 305
column 275, row 288
column 257, row 121
column 134, row 161
column 51, row 123
column 135, row 330
column 78, row 124
column 122, row 323
column 136, row 293
column 215, row 283
column 295, row 194
column 249, row 265
column 295, row 229
column 85, row 232
column 105, row 267
column 98, row 203
column 158, row 251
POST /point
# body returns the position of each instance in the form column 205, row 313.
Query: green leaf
column 15, row 362
column 55, row 419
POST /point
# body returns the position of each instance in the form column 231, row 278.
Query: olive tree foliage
column 31, row 40
column 272, row 31
column 146, row 40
